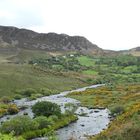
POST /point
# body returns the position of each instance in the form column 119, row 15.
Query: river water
column 92, row 122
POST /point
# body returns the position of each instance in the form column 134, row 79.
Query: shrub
column 5, row 99
column 42, row 121
column 17, row 97
column 18, row 125
column 47, row 92
column 70, row 108
column 35, row 96
column 45, row 108
column 53, row 118
column 38, row 95
column 117, row 110
column 3, row 111
column 131, row 133
column 32, row 97
column 27, row 92
column 12, row 109
column 9, row 137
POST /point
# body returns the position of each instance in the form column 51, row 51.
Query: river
column 92, row 122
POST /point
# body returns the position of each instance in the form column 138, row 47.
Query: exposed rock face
column 22, row 38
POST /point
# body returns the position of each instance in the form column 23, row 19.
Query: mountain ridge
column 28, row 39
column 14, row 39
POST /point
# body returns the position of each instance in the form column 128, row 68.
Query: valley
column 45, row 65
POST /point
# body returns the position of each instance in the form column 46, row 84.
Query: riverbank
column 124, row 103
column 63, row 122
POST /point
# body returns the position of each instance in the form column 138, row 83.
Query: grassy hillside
column 21, row 55
column 37, row 69
column 14, row 77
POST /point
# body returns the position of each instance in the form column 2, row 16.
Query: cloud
column 111, row 24
column 20, row 13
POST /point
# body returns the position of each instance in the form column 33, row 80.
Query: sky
column 110, row 24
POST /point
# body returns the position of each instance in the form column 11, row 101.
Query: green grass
column 86, row 61
column 129, row 69
column 15, row 77
column 26, row 55
column 9, row 137
column 90, row 72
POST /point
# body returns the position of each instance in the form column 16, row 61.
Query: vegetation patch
column 90, row 72
column 20, row 77
column 10, row 137
column 45, row 108
column 86, row 61
column 38, row 127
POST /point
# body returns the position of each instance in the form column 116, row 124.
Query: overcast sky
column 111, row 24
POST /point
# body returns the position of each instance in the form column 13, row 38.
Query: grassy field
column 86, row 61
column 90, row 72
column 129, row 69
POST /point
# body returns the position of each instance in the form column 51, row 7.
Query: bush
column 5, row 99
column 3, row 111
column 35, row 96
column 17, row 97
column 49, row 131
column 131, row 133
column 43, row 122
column 9, row 137
column 45, row 108
column 27, row 92
column 19, row 125
column 70, row 108
column 53, row 118
column 32, row 97
column 47, row 92
column 117, row 110
column 38, row 95
column 12, row 109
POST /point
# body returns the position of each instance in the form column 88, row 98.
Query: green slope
column 14, row 77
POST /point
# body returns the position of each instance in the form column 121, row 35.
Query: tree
column 46, row 108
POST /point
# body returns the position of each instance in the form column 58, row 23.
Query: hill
column 15, row 39
column 134, row 51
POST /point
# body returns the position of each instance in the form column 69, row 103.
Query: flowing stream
column 92, row 122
